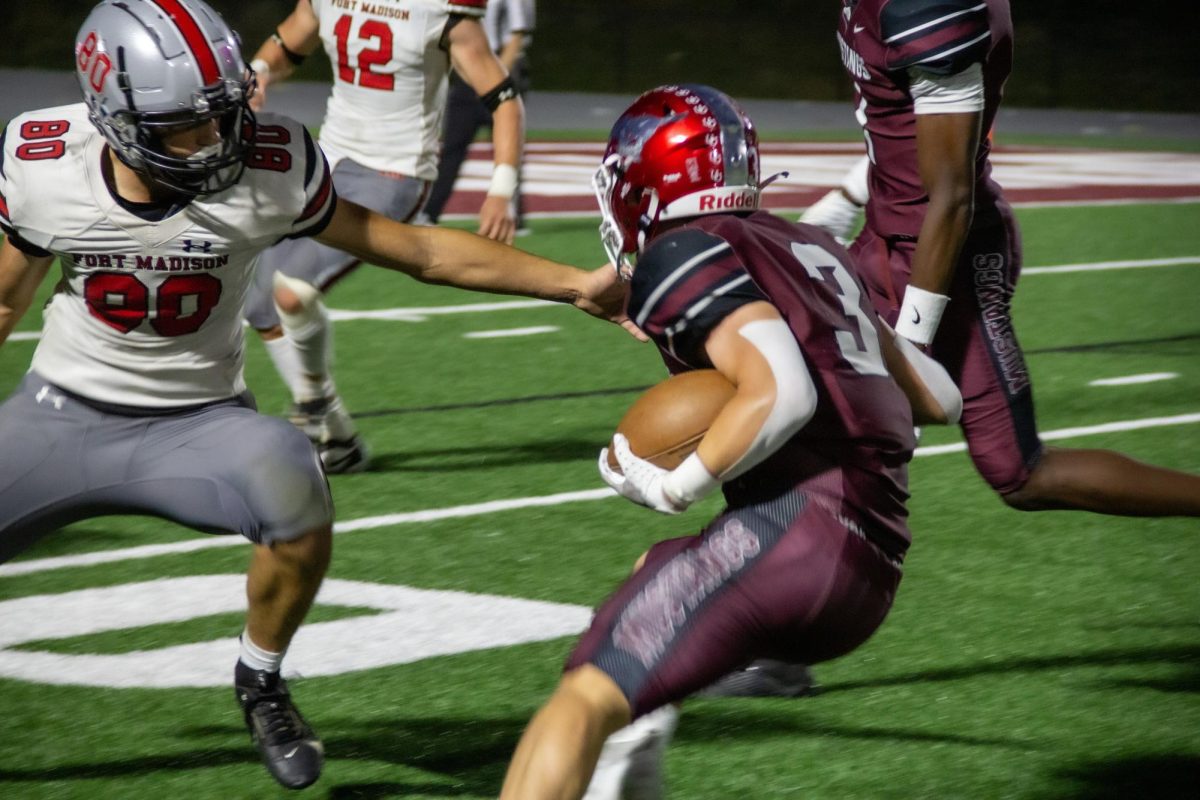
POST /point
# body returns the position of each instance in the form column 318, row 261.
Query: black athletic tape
column 506, row 90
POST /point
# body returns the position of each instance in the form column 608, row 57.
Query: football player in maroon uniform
column 941, row 245
column 811, row 452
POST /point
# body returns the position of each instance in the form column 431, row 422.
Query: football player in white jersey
column 157, row 194
column 381, row 130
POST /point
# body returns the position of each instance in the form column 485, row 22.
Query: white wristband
column 920, row 314
column 504, row 181
column 688, row 482
column 262, row 69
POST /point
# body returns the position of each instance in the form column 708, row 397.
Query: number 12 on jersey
column 372, row 30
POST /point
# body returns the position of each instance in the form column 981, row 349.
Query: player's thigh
column 978, row 345
column 765, row 580
column 229, row 468
column 42, row 463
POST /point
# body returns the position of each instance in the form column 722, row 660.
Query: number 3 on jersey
column 859, row 343
column 371, row 30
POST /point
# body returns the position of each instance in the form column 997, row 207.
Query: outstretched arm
column 295, row 39
column 20, row 275
column 458, row 258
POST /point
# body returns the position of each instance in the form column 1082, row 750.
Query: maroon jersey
column 861, row 438
column 880, row 41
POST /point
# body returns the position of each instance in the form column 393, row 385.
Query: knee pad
column 308, row 295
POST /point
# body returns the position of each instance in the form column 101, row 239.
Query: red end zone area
column 557, row 176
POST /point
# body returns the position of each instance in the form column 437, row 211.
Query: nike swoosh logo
column 916, row 316
column 859, row 28
column 292, row 752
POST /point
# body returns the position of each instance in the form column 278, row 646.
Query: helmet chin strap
column 648, row 219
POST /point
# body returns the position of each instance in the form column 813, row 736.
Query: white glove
column 666, row 491
column 638, row 480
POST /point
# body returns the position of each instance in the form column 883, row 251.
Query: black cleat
column 345, row 456
column 290, row 749
column 764, row 678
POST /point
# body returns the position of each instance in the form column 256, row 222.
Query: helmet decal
column 195, row 39
column 636, row 131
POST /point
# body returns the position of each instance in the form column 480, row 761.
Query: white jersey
column 149, row 313
column 389, row 80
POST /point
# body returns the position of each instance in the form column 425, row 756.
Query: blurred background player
column 811, row 452
column 509, row 26
column 941, row 252
column 940, row 239
column 380, row 134
column 840, row 210
column 157, row 194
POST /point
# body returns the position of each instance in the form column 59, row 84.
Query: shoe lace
column 279, row 719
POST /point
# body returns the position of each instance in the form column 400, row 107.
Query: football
column 666, row 423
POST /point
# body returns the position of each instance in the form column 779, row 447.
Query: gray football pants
column 218, row 468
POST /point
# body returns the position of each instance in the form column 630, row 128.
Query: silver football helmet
column 149, row 66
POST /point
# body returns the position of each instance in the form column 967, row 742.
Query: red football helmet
column 678, row 151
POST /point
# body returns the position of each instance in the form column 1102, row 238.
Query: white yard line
column 500, row 334
column 1129, row 380
column 1099, row 266
column 494, row 506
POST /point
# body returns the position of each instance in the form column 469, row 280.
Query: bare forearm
column 943, row 233
column 451, row 257
column 463, row 259
column 298, row 33
column 20, row 276
column 508, row 131
column 734, row 430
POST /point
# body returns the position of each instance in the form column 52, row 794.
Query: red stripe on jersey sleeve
column 194, row 37
column 4, row 208
column 318, row 202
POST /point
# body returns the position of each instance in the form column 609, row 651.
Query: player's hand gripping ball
column 658, row 433
column 666, row 423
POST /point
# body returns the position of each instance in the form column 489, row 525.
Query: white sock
column 256, row 657
column 287, row 364
column 838, row 211
column 855, row 183
column 630, row 765
column 834, row 213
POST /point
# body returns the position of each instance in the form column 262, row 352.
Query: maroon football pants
column 788, row 579
column 975, row 342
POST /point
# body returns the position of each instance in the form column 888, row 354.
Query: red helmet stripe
column 196, row 41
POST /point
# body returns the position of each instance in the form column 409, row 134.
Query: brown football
column 666, row 423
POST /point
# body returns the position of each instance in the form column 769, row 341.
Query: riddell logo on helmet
column 727, row 202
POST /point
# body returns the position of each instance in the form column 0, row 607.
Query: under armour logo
column 189, row 246
column 56, row 399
